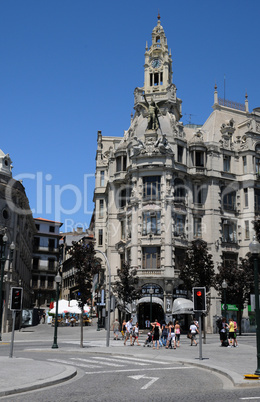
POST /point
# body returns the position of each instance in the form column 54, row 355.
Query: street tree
column 240, row 281
column 126, row 286
column 198, row 269
column 83, row 259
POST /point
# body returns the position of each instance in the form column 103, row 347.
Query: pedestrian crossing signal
column 199, row 299
column 16, row 298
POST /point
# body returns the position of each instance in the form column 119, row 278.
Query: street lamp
column 224, row 287
column 98, row 305
column 151, row 303
column 108, row 295
column 3, row 260
column 254, row 248
column 58, row 281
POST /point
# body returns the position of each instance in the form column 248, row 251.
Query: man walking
column 129, row 330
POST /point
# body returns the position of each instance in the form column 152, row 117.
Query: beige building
column 164, row 184
column 45, row 263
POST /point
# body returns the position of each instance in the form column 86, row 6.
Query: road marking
column 103, row 363
column 125, row 360
column 141, row 369
column 138, row 377
column 73, row 364
column 142, row 360
column 250, row 398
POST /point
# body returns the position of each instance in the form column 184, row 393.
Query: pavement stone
column 22, row 374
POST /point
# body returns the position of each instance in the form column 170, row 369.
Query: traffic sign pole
column 12, row 339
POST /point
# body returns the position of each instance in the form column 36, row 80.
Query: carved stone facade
column 158, row 189
column 17, row 222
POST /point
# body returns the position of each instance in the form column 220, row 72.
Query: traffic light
column 199, row 299
column 16, row 298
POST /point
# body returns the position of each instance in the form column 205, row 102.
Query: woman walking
column 171, row 336
column 136, row 334
column 156, row 333
column 177, row 330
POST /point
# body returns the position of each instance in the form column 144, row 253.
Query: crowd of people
column 159, row 335
column 227, row 332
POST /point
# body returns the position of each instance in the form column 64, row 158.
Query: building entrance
column 143, row 313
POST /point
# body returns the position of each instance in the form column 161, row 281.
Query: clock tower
column 158, row 62
column 158, row 86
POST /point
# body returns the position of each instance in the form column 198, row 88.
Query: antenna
column 224, row 88
column 189, row 114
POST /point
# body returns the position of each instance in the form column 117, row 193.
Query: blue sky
column 69, row 68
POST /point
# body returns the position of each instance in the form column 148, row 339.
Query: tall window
column 257, row 166
column 100, row 237
column 151, row 257
column 51, row 263
column 229, row 201
column 123, row 229
column 179, row 154
column 52, row 229
column 245, row 197
column 179, row 228
column 179, row 190
column 198, row 158
column 102, row 178
column 226, row 163
column 229, row 231
column 247, row 233
column 197, row 227
column 152, row 223
column 51, row 244
column 244, row 164
column 257, row 200
column 152, row 187
column 101, row 208
column 121, row 163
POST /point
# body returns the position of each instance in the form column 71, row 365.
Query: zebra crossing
column 110, row 364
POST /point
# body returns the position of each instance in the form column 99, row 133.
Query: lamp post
column 3, row 260
column 224, row 287
column 108, row 296
column 98, row 311
column 58, row 281
column 151, row 304
column 254, row 248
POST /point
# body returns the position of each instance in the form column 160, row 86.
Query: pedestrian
column 223, row 332
column 43, row 317
column 136, row 334
column 164, row 333
column 123, row 329
column 116, row 328
column 129, row 331
column 177, row 330
column 156, row 333
column 171, row 336
column 231, row 335
column 147, row 323
column 194, row 331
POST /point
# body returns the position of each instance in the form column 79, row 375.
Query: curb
column 70, row 372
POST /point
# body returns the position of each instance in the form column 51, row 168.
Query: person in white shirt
column 129, row 331
column 193, row 330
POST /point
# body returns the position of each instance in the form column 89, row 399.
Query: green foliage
column 198, row 267
column 83, row 258
column 239, row 278
column 126, row 286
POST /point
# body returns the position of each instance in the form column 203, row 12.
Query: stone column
column 134, row 235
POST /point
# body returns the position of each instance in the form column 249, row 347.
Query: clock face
column 156, row 63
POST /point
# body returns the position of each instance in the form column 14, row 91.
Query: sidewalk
column 23, row 374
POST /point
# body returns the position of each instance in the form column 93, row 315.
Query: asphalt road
column 118, row 377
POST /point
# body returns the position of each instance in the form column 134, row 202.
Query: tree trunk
column 81, row 330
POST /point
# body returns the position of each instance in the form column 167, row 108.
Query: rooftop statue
column 153, row 111
column 163, row 145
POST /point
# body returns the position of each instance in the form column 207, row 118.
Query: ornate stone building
column 17, row 223
column 164, row 184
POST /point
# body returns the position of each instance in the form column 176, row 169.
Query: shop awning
column 147, row 299
column 182, row 306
